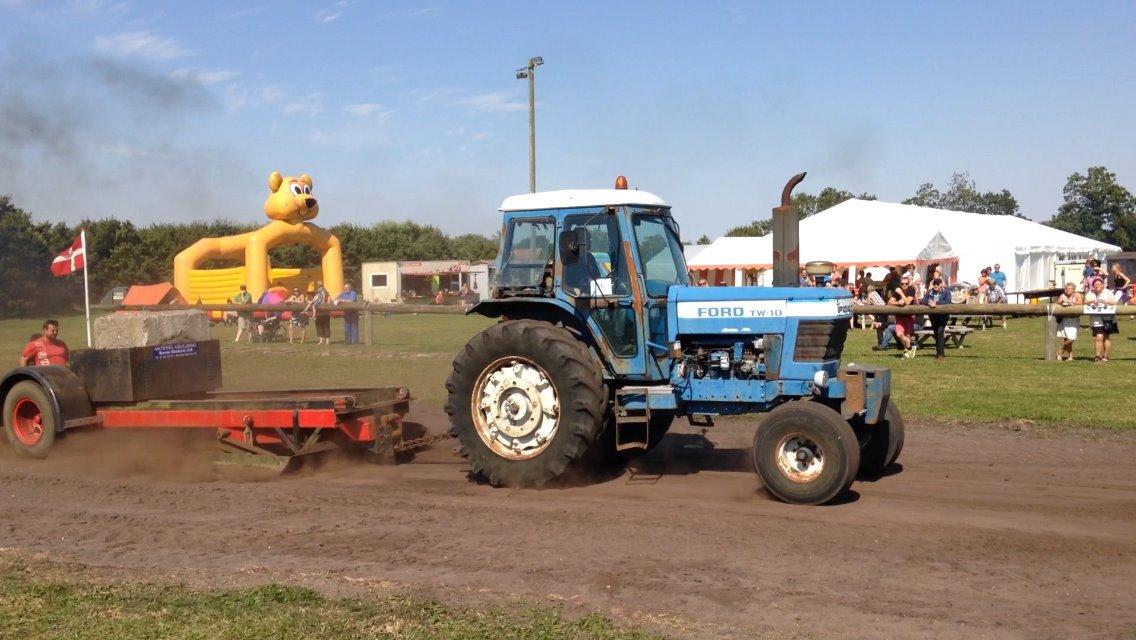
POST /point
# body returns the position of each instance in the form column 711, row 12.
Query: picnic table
column 956, row 335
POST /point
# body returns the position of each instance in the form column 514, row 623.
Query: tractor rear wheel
column 526, row 400
column 805, row 453
column 881, row 443
column 29, row 420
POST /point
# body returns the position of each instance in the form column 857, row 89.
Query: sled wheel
column 29, row 420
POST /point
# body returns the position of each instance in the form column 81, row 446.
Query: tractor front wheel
column 880, row 443
column 526, row 400
column 805, row 453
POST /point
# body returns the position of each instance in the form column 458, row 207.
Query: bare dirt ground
column 985, row 532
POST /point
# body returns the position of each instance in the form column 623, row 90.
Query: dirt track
column 986, row 532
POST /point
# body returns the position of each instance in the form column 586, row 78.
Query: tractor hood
column 751, row 310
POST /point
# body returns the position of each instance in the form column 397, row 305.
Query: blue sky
column 406, row 110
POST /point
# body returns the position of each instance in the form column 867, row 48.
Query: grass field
column 1000, row 375
column 37, row 603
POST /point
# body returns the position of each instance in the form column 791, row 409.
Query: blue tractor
column 603, row 342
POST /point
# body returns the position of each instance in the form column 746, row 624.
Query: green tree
column 1098, row 207
column 963, row 195
column 806, row 205
column 473, row 247
column 28, row 287
column 704, row 239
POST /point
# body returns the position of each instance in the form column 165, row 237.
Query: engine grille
column 819, row 340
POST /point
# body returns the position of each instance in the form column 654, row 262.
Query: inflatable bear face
column 291, row 199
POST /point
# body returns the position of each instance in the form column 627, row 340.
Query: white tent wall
column 867, row 233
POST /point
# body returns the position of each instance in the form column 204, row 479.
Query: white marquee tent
column 869, row 233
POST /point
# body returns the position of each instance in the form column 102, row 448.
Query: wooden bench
column 956, row 335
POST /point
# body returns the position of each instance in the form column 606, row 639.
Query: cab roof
column 574, row 198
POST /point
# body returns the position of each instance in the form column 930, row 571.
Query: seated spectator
column 1103, row 325
column 440, row 298
column 1067, row 326
column 902, row 296
column 885, row 333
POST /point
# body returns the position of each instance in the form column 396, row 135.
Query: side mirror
column 572, row 243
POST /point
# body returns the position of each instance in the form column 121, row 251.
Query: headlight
column 820, row 379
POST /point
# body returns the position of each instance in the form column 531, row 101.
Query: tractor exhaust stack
column 786, row 238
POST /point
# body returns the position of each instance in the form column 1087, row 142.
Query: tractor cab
column 599, row 261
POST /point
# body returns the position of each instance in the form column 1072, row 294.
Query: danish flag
column 71, row 259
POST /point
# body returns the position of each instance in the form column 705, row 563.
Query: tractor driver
column 46, row 348
column 599, row 271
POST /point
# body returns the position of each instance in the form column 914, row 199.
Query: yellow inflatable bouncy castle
column 290, row 205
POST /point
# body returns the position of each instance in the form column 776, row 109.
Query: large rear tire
column 29, row 420
column 880, row 443
column 805, row 453
column 526, row 400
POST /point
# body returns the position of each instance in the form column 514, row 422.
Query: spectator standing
column 1103, row 325
column 998, row 278
column 1067, row 326
column 323, row 319
column 46, row 348
column 350, row 317
column 244, row 318
column 902, row 296
column 440, row 297
column 936, row 295
column 299, row 319
column 1121, row 283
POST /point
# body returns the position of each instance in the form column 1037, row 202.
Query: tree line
column 122, row 253
column 1095, row 205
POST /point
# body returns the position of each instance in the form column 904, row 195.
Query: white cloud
column 497, row 102
column 142, row 44
column 239, row 97
column 417, row 12
column 205, row 77
column 309, row 105
column 331, row 13
column 364, row 109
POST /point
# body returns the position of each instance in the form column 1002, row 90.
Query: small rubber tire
column 575, row 378
column 827, row 429
column 880, row 443
column 29, row 420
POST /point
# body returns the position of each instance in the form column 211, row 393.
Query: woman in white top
column 1067, row 326
column 1103, row 325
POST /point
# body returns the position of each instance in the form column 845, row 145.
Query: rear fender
column 553, row 311
column 68, row 397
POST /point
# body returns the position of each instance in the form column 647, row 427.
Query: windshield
column 527, row 253
column 660, row 253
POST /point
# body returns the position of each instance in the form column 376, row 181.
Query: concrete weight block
column 148, row 328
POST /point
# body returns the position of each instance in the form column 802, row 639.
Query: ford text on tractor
column 602, row 343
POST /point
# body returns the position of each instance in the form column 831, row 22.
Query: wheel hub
column 516, row 409
column 27, row 422
column 799, row 458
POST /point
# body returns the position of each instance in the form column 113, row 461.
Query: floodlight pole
column 529, row 72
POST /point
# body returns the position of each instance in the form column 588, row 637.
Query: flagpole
column 86, row 283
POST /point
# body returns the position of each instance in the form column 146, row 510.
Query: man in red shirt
column 45, row 349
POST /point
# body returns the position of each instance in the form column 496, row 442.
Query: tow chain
column 421, row 442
